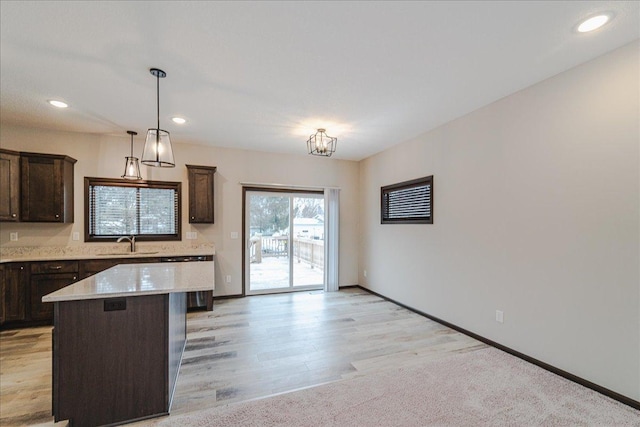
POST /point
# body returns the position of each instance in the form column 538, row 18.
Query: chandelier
column 131, row 168
column 321, row 144
column 157, row 147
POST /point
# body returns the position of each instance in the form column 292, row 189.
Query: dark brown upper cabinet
column 47, row 188
column 9, row 185
column 201, row 194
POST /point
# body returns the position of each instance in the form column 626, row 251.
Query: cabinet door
column 41, row 189
column 15, row 291
column 47, row 188
column 2, row 293
column 43, row 284
column 201, row 194
column 9, row 186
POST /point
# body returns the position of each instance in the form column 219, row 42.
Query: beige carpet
column 482, row 388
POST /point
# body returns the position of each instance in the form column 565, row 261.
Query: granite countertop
column 139, row 279
column 52, row 253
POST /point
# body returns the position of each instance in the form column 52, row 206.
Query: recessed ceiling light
column 58, row 104
column 593, row 23
column 178, row 120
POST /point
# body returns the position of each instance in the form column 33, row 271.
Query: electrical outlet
column 192, row 235
column 365, row 273
column 499, row 316
column 234, row 234
column 76, row 235
column 13, row 236
column 228, row 278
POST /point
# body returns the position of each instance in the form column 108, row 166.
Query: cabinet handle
column 21, row 268
column 74, row 277
column 14, row 215
column 57, row 216
column 55, row 267
column 193, row 217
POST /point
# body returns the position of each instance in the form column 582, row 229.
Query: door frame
column 267, row 189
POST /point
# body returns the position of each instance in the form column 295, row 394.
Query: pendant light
column 132, row 168
column 157, row 147
column 321, row 144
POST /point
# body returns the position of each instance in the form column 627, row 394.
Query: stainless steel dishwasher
column 203, row 299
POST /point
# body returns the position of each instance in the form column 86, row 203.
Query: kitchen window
column 149, row 210
column 409, row 202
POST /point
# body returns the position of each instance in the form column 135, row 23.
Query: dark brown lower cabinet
column 14, row 284
column 47, row 277
column 43, row 284
column 2, row 293
column 23, row 284
column 116, row 359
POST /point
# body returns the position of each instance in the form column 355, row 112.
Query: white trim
column 286, row 186
column 247, row 232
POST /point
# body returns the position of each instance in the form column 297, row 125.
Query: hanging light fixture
column 132, row 168
column 157, row 147
column 321, row 144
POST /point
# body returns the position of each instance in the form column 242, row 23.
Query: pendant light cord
column 158, row 110
column 158, row 98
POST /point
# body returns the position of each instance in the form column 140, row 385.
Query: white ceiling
column 264, row 75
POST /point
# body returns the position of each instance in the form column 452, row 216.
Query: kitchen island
column 118, row 340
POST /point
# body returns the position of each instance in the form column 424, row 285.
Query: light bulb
column 58, row 104
column 593, row 23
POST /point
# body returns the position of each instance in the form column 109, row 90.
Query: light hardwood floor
column 250, row 348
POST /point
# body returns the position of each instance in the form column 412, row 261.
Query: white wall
column 536, row 201
column 103, row 156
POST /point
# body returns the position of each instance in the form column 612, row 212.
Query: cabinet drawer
column 94, row 266
column 49, row 267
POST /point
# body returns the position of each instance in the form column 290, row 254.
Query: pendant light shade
column 131, row 168
column 157, row 147
column 321, row 144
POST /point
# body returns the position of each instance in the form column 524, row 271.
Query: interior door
column 284, row 241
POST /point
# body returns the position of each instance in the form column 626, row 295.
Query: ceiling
column 264, row 75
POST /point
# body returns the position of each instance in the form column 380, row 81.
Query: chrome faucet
column 132, row 241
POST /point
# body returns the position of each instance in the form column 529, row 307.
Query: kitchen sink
column 130, row 253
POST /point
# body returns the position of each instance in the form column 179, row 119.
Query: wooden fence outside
column 308, row 250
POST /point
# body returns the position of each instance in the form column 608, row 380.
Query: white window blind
column 128, row 209
column 408, row 202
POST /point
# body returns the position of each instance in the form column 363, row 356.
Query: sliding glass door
column 284, row 238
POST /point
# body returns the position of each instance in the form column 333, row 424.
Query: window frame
column 418, row 182
column 114, row 182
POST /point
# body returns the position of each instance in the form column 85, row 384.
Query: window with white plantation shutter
column 149, row 210
column 409, row 202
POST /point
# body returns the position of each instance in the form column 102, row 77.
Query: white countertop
column 114, row 254
column 139, row 279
